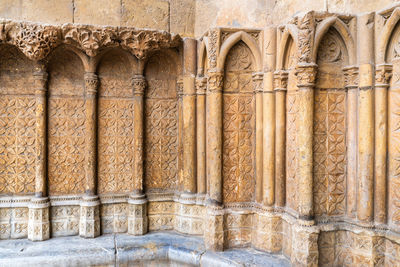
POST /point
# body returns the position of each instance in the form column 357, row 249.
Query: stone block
column 182, row 17
column 10, row 9
column 101, row 12
column 47, row 11
column 152, row 14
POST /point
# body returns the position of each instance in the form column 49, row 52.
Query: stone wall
column 282, row 138
column 186, row 17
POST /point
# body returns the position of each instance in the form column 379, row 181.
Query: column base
column 137, row 216
column 214, row 229
column 89, row 224
column 38, row 224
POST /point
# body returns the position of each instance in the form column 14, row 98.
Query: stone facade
column 284, row 139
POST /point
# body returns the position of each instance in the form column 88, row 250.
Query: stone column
column 306, row 74
column 267, row 149
column 365, row 196
column 280, row 84
column 201, row 88
column 382, row 80
column 137, row 215
column 89, row 225
column 351, row 84
column 38, row 223
column 189, row 116
column 258, row 91
column 214, row 136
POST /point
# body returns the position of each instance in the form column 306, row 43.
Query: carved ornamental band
column 37, row 41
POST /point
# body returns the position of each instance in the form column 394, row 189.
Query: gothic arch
column 66, row 122
column 344, row 33
column 17, row 122
column 202, row 58
column 161, row 128
column 386, row 35
column 238, row 134
column 234, row 39
column 289, row 34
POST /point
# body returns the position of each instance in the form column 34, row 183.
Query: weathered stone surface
column 103, row 12
column 145, row 14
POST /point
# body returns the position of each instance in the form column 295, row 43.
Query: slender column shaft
column 189, row 116
column 351, row 83
column 281, row 78
column 365, row 196
column 305, row 81
column 257, row 82
column 40, row 137
column 138, row 84
column 214, row 135
column 91, row 83
column 201, row 85
column 382, row 79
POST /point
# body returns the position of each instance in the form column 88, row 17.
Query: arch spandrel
column 66, row 123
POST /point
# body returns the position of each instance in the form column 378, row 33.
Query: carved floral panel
column 329, row 147
column 115, row 133
column 161, row 124
column 238, row 126
column 17, row 123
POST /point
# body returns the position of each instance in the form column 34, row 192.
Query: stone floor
column 154, row 249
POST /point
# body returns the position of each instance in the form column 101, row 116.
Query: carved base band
column 137, row 215
column 89, row 225
column 38, row 224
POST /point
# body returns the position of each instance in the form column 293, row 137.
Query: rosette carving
column 140, row 43
column 90, row 40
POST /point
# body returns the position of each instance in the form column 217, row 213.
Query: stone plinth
column 137, row 215
column 89, row 225
column 38, row 224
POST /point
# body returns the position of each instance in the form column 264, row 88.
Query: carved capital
column 215, row 82
column 383, row 75
column 280, row 80
column 351, row 78
column 201, row 85
column 89, row 39
column 258, row 82
column 141, row 42
column 35, row 41
column 91, row 83
column 139, row 85
column 306, row 75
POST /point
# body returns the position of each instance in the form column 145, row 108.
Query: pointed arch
column 231, row 41
column 344, row 33
column 290, row 32
column 202, row 58
column 386, row 35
